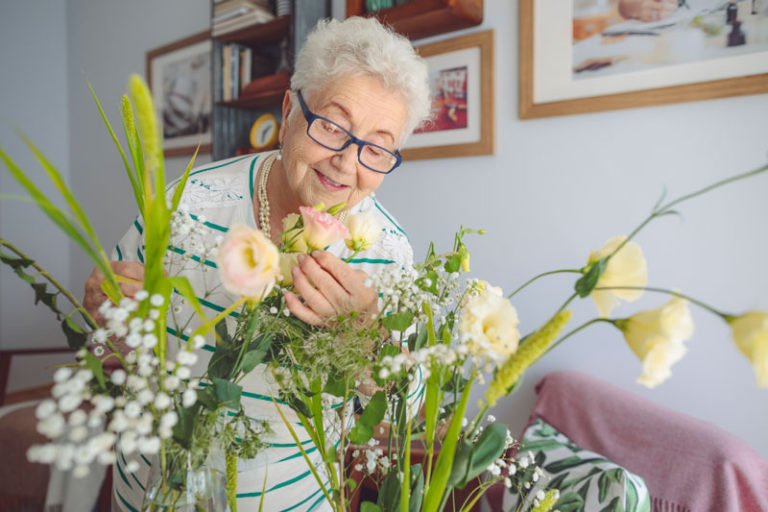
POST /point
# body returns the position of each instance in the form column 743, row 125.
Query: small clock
column 264, row 132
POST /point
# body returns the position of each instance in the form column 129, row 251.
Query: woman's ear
column 286, row 112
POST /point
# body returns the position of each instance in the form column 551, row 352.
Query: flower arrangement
column 382, row 396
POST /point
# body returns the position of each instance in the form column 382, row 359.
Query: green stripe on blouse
column 376, row 203
column 371, row 260
column 306, row 499
column 138, row 227
column 220, row 165
column 194, row 256
column 209, row 224
column 250, row 176
column 119, row 253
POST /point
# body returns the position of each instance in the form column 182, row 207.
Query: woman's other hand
column 329, row 288
column 95, row 296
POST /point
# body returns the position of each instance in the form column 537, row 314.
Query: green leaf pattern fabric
column 587, row 481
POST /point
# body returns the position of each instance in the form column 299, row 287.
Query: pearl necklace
column 261, row 195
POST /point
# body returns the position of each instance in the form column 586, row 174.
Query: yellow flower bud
column 147, row 120
column 288, row 260
column 527, row 354
column 750, row 333
column 293, row 237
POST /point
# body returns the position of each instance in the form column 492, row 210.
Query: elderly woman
column 357, row 92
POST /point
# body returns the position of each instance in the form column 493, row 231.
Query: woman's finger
column 313, row 297
column 324, row 281
column 300, row 311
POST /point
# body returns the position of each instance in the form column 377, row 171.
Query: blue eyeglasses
column 332, row 136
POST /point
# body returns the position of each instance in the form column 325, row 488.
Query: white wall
column 33, row 99
column 556, row 189
column 560, row 187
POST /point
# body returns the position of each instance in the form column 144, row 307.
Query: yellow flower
column 625, row 268
column 530, row 351
column 547, row 502
column 489, row 324
column 248, row 262
column 750, row 333
column 146, row 118
column 293, row 239
column 656, row 337
column 363, row 231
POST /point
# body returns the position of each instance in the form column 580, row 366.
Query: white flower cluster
column 139, row 404
column 373, row 458
column 191, row 237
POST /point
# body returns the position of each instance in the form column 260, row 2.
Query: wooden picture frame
column 534, row 71
column 469, row 128
column 179, row 76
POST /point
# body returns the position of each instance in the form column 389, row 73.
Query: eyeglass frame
column 311, row 117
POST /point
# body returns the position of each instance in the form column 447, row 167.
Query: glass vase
column 188, row 489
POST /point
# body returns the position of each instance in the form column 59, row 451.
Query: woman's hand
column 95, row 296
column 329, row 288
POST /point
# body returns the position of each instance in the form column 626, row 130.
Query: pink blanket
column 689, row 465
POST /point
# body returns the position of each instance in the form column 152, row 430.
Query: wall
column 556, row 189
column 33, row 99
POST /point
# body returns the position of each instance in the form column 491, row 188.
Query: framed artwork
column 462, row 120
column 580, row 56
column 179, row 76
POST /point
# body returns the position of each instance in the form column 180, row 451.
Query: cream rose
column 489, row 324
column 363, row 231
column 625, row 268
column 321, row 229
column 248, row 262
column 750, row 333
column 656, row 337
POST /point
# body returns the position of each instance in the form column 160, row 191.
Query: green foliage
column 372, row 416
column 588, row 281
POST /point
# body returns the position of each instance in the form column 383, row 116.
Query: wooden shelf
column 418, row 19
column 263, row 33
column 266, row 91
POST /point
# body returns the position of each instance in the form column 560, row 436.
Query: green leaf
column 330, row 455
column 571, row 462
column 14, row 262
column 336, row 385
column 367, row 506
column 417, row 340
column 613, row 506
column 296, row 403
column 389, row 492
column 452, row 263
column 633, row 497
column 93, row 363
column 28, row 278
column 182, row 431
column 41, row 295
column 488, row 447
column 398, row 321
column 570, row 502
column 227, row 393
column 362, row 431
column 588, row 281
column 608, row 478
column 541, row 444
column 428, row 283
column 461, row 462
column 76, row 338
column 417, row 488
column 207, row 397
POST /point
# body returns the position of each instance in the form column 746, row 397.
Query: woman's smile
column 328, row 182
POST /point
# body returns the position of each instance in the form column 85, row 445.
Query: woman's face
column 312, row 173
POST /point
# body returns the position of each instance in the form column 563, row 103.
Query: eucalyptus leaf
column 488, row 447
column 417, row 489
column 368, row 506
column 398, row 321
column 461, row 462
column 389, row 492
column 227, row 393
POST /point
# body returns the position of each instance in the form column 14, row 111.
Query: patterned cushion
column 586, row 480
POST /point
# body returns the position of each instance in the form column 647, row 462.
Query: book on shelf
column 226, row 6
column 253, row 17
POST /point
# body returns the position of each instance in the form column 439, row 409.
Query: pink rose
column 249, row 263
column 321, row 229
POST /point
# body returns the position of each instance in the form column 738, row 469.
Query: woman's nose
column 346, row 159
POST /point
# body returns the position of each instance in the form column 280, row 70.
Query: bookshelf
column 232, row 118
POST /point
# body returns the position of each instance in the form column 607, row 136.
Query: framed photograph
column 581, row 56
column 462, row 121
column 179, row 76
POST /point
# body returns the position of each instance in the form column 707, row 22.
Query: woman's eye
column 329, row 127
column 374, row 151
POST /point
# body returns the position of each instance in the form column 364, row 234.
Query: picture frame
column 547, row 86
column 179, row 77
column 462, row 77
